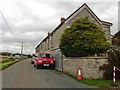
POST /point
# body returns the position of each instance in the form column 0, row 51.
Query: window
column 44, row 55
column 48, row 43
column 52, row 41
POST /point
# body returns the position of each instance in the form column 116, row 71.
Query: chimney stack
column 62, row 19
column 49, row 33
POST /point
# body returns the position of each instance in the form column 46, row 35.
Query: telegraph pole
column 21, row 48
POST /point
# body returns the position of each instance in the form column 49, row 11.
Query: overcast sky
column 31, row 20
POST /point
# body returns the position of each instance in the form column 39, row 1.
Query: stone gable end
column 83, row 13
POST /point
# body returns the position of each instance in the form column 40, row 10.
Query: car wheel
column 32, row 62
column 34, row 65
column 53, row 67
column 37, row 66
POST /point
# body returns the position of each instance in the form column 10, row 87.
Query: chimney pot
column 62, row 19
column 49, row 33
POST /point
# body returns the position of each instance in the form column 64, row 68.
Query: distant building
column 116, row 41
column 17, row 55
column 117, row 35
column 5, row 54
column 116, row 38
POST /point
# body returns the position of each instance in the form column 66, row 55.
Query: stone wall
column 90, row 67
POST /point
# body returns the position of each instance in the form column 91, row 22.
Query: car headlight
column 39, row 61
column 51, row 61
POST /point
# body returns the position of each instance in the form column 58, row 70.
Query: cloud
column 31, row 20
column 109, row 14
column 119, row 16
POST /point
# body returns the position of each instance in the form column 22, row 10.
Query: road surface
column 25, row 75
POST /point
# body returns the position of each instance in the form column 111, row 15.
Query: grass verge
column 95, row 83
column 98, row 83
column 6, row 62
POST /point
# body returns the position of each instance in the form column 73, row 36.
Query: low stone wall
column 90, row 67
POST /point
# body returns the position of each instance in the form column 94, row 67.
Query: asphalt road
column 25, row 75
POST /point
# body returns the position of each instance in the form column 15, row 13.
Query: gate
column 58, row 59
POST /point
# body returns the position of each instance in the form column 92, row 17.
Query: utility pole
column 21, row 48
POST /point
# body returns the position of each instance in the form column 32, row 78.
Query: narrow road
column 25, row 75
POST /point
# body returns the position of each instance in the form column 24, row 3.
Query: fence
column 114, row 72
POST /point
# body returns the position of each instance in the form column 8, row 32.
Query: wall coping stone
column 87, row 57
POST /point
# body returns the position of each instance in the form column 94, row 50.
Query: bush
column 83, row 38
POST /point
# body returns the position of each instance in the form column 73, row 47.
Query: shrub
column 83, row 38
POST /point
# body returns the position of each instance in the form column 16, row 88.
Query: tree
column 115, row 58
column 83, row 38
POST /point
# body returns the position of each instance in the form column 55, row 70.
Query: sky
column 31, row 20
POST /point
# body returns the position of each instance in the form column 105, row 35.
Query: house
column 117, row 35
column 51, row 42
column 5, row 54
column 17, row 55
column 116, row 38
column 116, row 41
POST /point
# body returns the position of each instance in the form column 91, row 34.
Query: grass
column 98, row 83
column 95, row 83
column 2, row 59
column 8, row 61
column 6, row 65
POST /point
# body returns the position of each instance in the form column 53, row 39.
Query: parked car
column 32, row 59
column 44, row 60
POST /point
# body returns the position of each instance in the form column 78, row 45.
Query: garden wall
column 90, row 66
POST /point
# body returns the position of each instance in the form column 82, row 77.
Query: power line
column 9, row 27
column 12, row 33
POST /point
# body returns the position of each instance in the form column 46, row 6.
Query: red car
column 44, row 60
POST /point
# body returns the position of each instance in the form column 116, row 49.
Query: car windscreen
column 33, row 57
column 44, row 55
